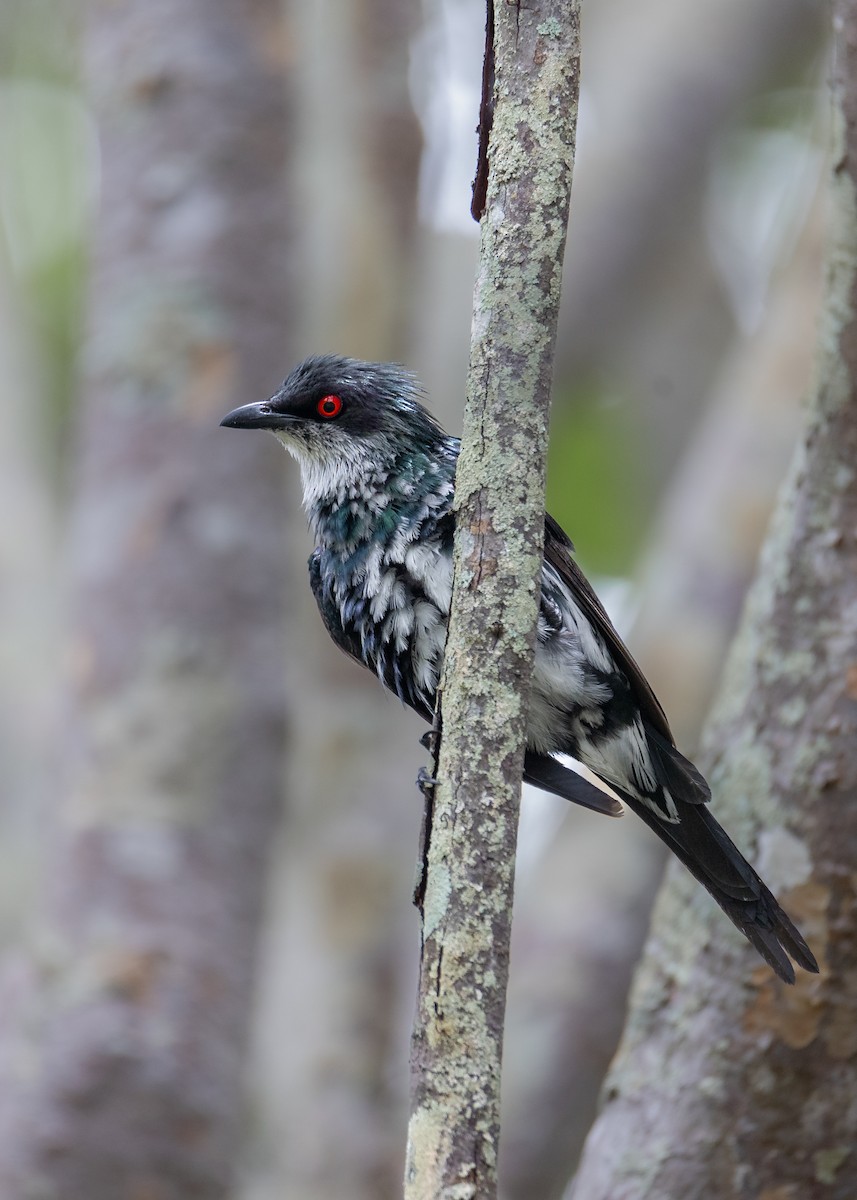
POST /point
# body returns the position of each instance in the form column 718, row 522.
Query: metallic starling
column 378, row 474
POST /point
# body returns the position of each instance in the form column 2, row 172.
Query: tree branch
column 457, row 1044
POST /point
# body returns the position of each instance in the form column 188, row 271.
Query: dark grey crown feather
column 380, row 397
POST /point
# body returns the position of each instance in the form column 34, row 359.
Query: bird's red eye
column 329, row 406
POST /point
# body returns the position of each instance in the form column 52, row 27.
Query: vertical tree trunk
column 123, row 1030
column 729, row 1084
column 471, row 826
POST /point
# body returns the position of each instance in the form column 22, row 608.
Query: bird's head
column 339, row 417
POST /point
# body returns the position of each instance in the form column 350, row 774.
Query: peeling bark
column 456, row 1051
column 123, row 1028
column 728, row 1084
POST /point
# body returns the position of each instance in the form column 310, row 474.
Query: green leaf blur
column 597, row 487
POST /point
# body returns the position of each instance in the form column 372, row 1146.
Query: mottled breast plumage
column 382, row 572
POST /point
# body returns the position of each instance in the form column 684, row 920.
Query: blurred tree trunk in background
column 705, row 542
column 357, row 159
column 123, row 1024
column 42, row 208
column 643, row 307
column 729, row 1083
column 581, row 919
column 29, row 605
column 329, row 1072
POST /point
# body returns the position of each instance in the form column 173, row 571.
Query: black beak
column 256, row 416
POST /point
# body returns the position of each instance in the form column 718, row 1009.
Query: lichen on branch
column 457, row 1044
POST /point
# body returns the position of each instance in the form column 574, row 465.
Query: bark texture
column 123, row 1028
column 728, row 1084
column 456, row 1052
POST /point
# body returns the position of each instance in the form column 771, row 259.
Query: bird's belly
column 404, row 645
column 567, row 698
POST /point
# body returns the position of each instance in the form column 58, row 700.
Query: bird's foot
column 425, row 782
column 428, row 741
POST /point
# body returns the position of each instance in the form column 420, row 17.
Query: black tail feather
column 712, row 858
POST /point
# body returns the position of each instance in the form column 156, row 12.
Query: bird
column 378, row 479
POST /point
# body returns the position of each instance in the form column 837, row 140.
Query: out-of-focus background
column 208, row 825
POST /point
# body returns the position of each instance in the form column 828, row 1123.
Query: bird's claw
column 425, row 782
column 428, row 741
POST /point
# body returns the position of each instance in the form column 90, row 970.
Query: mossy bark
column 456, row 1056
column 730, row 1084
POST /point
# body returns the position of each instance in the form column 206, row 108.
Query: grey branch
column 456, row 1053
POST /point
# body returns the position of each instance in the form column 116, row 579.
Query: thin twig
column 486, row 119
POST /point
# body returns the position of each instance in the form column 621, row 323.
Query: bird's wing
column 674, row 772
column 558, row 552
